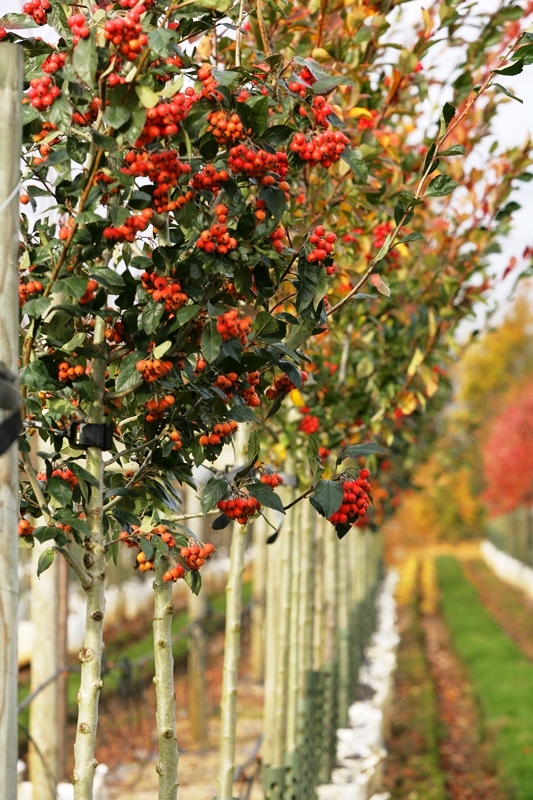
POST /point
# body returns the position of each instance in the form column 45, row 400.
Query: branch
column 238, row 35
column 262, row 28
column 85, row 579
column 37, row 491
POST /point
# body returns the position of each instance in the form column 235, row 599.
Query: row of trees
column 232, row 225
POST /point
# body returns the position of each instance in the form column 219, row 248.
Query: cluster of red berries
column 117, row 334
column 322, row 242
column 25, row 528
column 156, row 408
column 271, row 479
column 209, row 88
column 66, row 372
column 90, row 292
column 249, row 393
column 226, row 127
column 240, row 507
column 153, row 369
column 130, row 227
column 139, row 5
column 256, row 163
column 380, row 233
column 321, row 110
column 79, row 27
column 163, row 119
column 89, row 116
column 309, row 424
column 126, row 33
column 61, row 472
column 350, row 237
column 43, row 92
column 324, row 148
column 221, row 431
column 38, row 10
column 216, row 239
column 283, row 385
column 27, row 289
column 171, row 61
column 276, row 237
column 208, row 178
column 355, row 501
column 230, row 326
column 175, row 436
column 194, row 556
column 366, row 123
column 227, row 383
column 163, row 169
column 298, row 88
column 53, row 62
column 164, row 290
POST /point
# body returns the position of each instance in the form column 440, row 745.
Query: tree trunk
column 318, row 596
column 62, row 630
column 167, row 766
column 273, row 585
column 95, row 563
column 260, row 534
column 307, row 564
column 232, row 648
column 10, row 138
column 295, row 635
column 44, row 757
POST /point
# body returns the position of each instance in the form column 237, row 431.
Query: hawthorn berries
column 256, row 163
column 163, row 119
column 126, row 34
column 90, row 292
column 43, row 92
column 231, row 327
column 129, row 229
column 162, row 169
column 324, row 148
column 216, row 239
column 79, row 27
column 66, row 372
column 225, row 127
column 283, row 385
column 322, row 242
column 156, row 408
column 162, row 289
column 153, row 369
column 25, row 528
column 53, row 62
column 221, row 431
column 60, row 472
column 27, row 289
column 309, row 424
column 355, row 500
column 240, row 507
column 38, row 10
column 271, row 479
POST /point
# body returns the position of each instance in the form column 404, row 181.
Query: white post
column 10, row 138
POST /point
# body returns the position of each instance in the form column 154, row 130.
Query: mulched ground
column 465, row 757
column 510, row 607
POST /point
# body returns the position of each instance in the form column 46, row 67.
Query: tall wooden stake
column 10, row 138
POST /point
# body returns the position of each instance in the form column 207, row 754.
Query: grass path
column 501, row 675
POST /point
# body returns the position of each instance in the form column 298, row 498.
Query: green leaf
column 45, row 533
column 148, row 98
column 329, row 494
column 241, row 414
column 278, row 135
column 313, row 456
column 324, row 85
column 266, row 496
column 37, row 306
column 411, row 237
column 267, row 328
column 85, row 59
column 29, row 114
column 506, row 92
column 454, row 150
column 60, row 491
column 254, row 447
column 82, row 474
column 211, row 342
column 74, row 287
column 440, row 186
column 215, row 490
column 128, row 375
column 46, row 559
column 192, row 578
column 36, row 376
column 77, row 340
column 159, row 39
column 514, row 69
column 274, row 199
column 259, row 113
column 447, row 114
column 359, row 450
column 110, row 279
column 151, row 316
column 117, row 116
column 60, row 113
column 17, row 21
column 354, row 159
column 185, row 313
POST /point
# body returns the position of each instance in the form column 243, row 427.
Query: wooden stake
column 10, row 138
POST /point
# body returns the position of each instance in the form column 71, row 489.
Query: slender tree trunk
column 167, row 766
column 273, row 585
column 62, row 632
column 343, row 632
column 295, row 635
column 95, row 563
column 306, row 595
column 232, row 649
column 331, row 589
column 318, row 596
column 260, row 534
column 43, row 762
column 10, row 138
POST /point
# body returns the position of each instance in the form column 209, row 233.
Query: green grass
column 501, row 675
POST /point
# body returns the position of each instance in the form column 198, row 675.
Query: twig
column 262, row 28
column 238, row 35
column 85, row 579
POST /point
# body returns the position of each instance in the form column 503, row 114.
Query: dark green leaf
column 193, row 579
column 514, row 69
column 447, row 114
column 411, row 237
column 151, row 316
column 356, row 163
column 75, row 287
column 60, row 491
column 241, row 414
column 258, row 113
column 325, row 85
column 329, row 494
column 266, row 496
column 440, row 186
column 211, row 342
column 37, row 306
column 275, row 200
column 215, row 490
column 454, row 150
column 117, row 116
column 267, row 328
column 359, row 450
column 60, row 113
column 46, row 559
column 45, row 533
column 278, row 134
column 85, row 58
column 128, row 375
column 506, row 92
column 159, row 39
column 254, row 447
column 292, row 372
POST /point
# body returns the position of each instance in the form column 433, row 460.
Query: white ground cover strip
column 507, row 568
column 360, row 748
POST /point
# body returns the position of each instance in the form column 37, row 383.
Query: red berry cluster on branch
column 221, row 431
column 208, row 178
column 210, row 83
column 171, row 61
column 163, row 119
column 27, row 289
column 90, row 292
column 283, row 385
column 61, row 472
column 256, row 163
column 271, row 479
column 324, row 148
column 195, row 556
column 117, row 334
column 321, row 110
column 226, row 127
column 126, row 33
column 43, row 92
column 276, row 237
column 322, row 242
column 309, row 424
column 156, row 408
column 79, row 27
column 240, row 507
column 129, row 228
column 53, row 62
column 249, row 393
column 231, row 327
column 25, row 528
column 355, row 500
column 153, row 369
column 216, row 239
column 162, row 289
column 68, row 372
column 163, row 169
column 38, row 10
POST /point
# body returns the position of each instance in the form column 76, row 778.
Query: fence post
column 10, row 138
